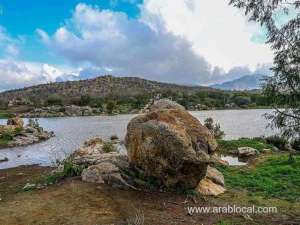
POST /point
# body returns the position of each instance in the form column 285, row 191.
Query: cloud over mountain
column 158, row 45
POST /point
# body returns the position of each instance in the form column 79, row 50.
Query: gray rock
column 247, row 152
column 3, row 159
column 165, row 104
column 215, row 175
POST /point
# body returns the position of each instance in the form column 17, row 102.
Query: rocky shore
column 62, row 111
column 167, row 149
column 15, row 134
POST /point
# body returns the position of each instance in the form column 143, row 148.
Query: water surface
column 71, row 132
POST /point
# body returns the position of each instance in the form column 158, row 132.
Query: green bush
column 215, row 129
column 54, row 100
column 277, row 141
column 114, row 137
column 110, row 106
column 71, row 169
column 108, row 147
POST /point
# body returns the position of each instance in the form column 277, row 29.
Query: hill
column 102, row 87
column 248, row 82
column 108, row 94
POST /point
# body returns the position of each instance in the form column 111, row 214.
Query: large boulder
column 170, row 144
column 16, row 121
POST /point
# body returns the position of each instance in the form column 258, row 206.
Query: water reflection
column 234, row 160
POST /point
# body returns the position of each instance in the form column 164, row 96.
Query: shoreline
column 136, row 113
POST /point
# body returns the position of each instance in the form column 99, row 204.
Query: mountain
column 103, row 86
column 248, row 82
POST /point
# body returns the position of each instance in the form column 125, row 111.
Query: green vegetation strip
column 275, row 177
column 5, row 115
column 257, row 143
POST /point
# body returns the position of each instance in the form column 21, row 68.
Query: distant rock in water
column 16, row 134
column 16, row 121
column 170, row 144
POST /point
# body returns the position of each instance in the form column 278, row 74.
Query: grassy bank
column 276, row 177
column 4, row 141
column 4, row 115
column 258, row 143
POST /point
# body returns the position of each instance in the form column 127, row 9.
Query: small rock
column 215, row 175
column 105, row 172
column 266, row 150
column 218, row 161
column 3, row 159
column 208, row 187
column 29, row 186
column 247, row 152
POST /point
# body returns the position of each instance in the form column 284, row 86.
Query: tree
column 85, row 100
column 283, row 88
column 111, row 105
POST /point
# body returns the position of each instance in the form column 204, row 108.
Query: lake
column 71, row 132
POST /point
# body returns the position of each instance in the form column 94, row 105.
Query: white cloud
column 9, row 45
column 183, row 41
column 218, row 32
column 18, row 74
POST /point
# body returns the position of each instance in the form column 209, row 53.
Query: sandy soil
column 73, row 202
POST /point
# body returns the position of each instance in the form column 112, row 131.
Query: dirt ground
column 73, row 202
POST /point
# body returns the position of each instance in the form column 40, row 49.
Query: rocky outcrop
column 165, row 104
column 16, row 121
column 212, row 184
column 170, row 144
column 101, row 166
column 16, row 135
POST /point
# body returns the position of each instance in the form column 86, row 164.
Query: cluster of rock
column 23, row 135
column 61, row 111
column 167, row 144
column 246, row 152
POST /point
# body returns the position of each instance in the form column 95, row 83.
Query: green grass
column 257, row 143
column 4, row 141
column 8, row 136
column 108, row 147
column 5, row 115
column 276, row 177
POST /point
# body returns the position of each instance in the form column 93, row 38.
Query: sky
column 195, row 42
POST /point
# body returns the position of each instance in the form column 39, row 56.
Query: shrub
column 71, row 169
column 296, row 144
column 215, row 129
column 114, row 137
column 54, row 100
column 110, row 106
column 108, row 147
column 33, row 123
column 277, row 141
column 7, row 135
